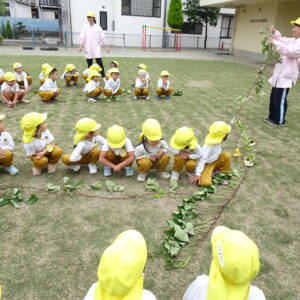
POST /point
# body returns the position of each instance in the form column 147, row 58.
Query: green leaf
column 66, row 180
column 53, row 188
column 4, row 201
column 112, row 187
column 173, row 185
column 15, row 204
column 181, row 235
column 96, row 186
column 32, row 199
column 189, row 228
column 152, row 185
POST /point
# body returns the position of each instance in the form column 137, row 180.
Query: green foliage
column 173, row 185
column 53, row 188
column 19, row 28
column 96, row 186
column 3, row 30
column 9, row 32
column 112, row 187
column 71, row 186
column 2, row 7
column 15, row 196
column 175, row 15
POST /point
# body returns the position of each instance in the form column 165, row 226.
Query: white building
column 122, row 21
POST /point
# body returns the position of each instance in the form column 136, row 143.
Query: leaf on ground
column 173, row 185
column 15, row 204
column 4, row 201
column 96, row 186
column 53, row 188
column 181, row 235
column 152, row 185
column 32, row 199
column 112, row 187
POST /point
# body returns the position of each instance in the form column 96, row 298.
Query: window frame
column 194, row 28
column 105, row 13
column 131, row 15
column 228, row 29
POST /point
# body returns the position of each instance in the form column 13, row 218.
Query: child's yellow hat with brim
column 217, row 132
column 114, row 70
column 95, row 67
column 296, row 22
column 116, row 136
column 83, row 127
column 94, row 73
column 17, row 65
column 184, row 137
column 151, row 130
column 91, row 14
column 142, row 66
column 165, row 73
column 69, row 68
column 9, row 76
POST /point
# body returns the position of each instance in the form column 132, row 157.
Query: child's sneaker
column 36, row 172
column 141, row 177
column 11, row 170
column 158, row 97
column 92, row 168
column 175, row 175
column 51, row 168
column 135, row 97
column 75, row 168
column 148, row 98
column 128, row 171
column 106, row 171
column 92, row 100
column 168, row 97
column 165, row 175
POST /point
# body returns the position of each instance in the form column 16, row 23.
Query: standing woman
column 91, row 37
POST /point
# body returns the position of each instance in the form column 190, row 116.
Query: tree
column 9, row 32
column 2, row 7
column 201, row 15
column 20, row 29
column 175, row 15
column 3, row 30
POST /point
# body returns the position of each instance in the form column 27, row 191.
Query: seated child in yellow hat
column 212, row 158
column 22, row 77
column 1, row 76
column 152, row 152
column 117, row 152
column 141, row 88
column 92, row 89
column 70, row 74
column 144, row 67
column 112, row 87
column 49, row 90
column 163, row 86
column 7, row 147
column 10, row 91
column 235, row 263
column 186, row 151
column 121, row 270
column 114, row 64
column 43, row 76
column 39, row 143
column 88, row 144
column 86, row 72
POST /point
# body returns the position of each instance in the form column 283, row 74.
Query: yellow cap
column 217, row 132
column 235, row 263
column 48, row 71
column 29, row 123
column 142, row 72
column 95, row 67
column 17, row 65
column 9, row 76
column 297, row 22
column 114, row 70
column 116, row 136
column 142, row 66
column 120, row 272
column 164, row 73
column 83, row 127
column 115, row 62
column 151, row 130
column 91, row 14
column 184, row 137
column 94, row 73
column 45, row 67
column 2, row 117
column 69, row 68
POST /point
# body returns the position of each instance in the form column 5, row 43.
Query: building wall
column 18, row 10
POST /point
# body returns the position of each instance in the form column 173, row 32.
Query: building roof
column 237, row 3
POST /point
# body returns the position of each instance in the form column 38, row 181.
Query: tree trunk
column 205, row 37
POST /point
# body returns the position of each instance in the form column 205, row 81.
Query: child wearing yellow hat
column 112, row 88
column 86, row 72
column 10, row 91
column 70, row 74
column 43, row 75
column 212, row 158
column 163, row 86
column 141, row 88
column 92, row 89
column 234, row 265
column 1, row 76
column 7, row 147
column 114, row 64
column 49, row 90
column 186, row 151
column 121, row 270
column 117, row 152
column 152, row 151
column 88, row 144
column 22, row 77
column 39, row 143
column 144, row 67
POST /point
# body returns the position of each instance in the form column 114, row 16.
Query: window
column 227, row 27
column 103, row 19
column 6, row 11
column 192, row 28
column 143, row 8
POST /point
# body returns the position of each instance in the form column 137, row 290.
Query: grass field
column 51, row 250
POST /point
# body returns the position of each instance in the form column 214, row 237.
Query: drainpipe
column 164, row 44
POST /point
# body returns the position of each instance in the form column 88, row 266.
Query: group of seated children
column 15, row 85
column 116, row 151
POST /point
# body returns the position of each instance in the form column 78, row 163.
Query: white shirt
column 198, row 290
column 141, row 152
column 140, row 85
column 1, row 73
column 193, row 153
column 85, row 146
column 6, row 141
column 14, row 88
column 69, row 74
column 22, row 77
column 38, row 145
column 49, row 85
column 86, row 72
column 91, row 86
column 42, row 75
column 147, row 295
column 113, row 85
column 209, row 154
column 160, row 84
column 119, row 151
